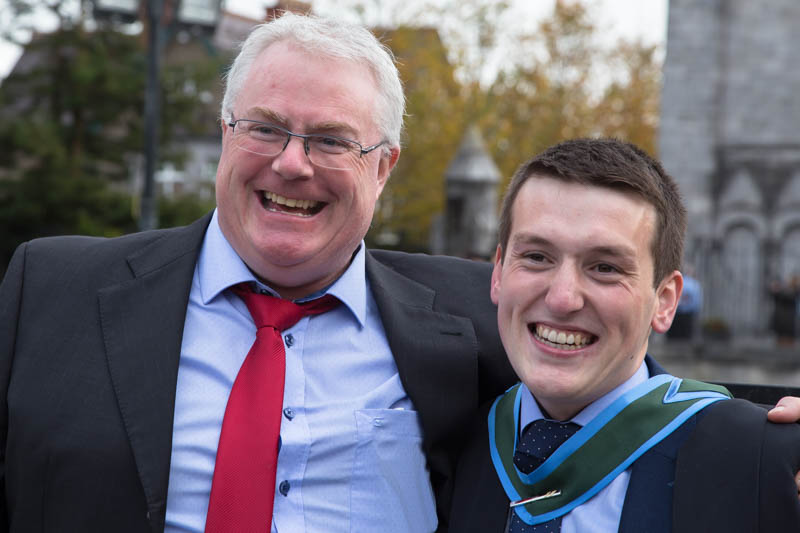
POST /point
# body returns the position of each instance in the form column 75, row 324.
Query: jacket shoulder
column 736, row 472
column 441, row 264
column 87, row 247
column 55, row 261
column 442, row 273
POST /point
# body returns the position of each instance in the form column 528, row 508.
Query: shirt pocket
column 391, row 489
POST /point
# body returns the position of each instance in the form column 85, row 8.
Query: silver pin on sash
column 549, row 494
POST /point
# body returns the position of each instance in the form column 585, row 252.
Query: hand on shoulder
column 785, row 411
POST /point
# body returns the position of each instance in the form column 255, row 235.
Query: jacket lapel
column 435, row 353
column 142, row 322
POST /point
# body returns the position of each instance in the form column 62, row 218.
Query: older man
column 136, row 393
column 118, row 357
column 597, row 437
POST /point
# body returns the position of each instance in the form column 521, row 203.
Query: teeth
column 563, row 339
column 289, row 202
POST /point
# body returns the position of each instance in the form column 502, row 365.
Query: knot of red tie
column 269, row 311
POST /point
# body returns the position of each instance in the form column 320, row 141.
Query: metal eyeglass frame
column 305, row 137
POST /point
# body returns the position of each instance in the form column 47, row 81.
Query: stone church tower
column 730, row 135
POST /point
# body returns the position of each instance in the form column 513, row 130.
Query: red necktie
column 243, row 487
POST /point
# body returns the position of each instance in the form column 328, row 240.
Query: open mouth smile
column 561, row 339
column 290, row 206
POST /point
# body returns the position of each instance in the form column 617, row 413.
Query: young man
column 591, row 237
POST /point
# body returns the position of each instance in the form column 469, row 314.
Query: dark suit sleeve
column 736, row 473
column 780, row 461
column 10, row 301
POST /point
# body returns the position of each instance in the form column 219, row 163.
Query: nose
column 565, row 293
column 292, row 162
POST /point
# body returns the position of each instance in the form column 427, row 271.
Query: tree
column 433, row 126
column 565, row 84
column 559, row 80
column 629, row 107
column 70, row 117
column 72, row 124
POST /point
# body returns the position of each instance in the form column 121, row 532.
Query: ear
column 497, row 274
column 668, row 295
column 385, row 166
column 225, row 129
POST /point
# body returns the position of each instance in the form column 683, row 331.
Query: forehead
column 308, row 88
column 582, row 216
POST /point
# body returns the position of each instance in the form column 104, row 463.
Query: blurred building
column 729, row 135
column 468, row 227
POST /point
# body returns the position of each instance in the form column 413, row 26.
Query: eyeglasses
column 328, row 151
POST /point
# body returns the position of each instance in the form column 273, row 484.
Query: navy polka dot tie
column 539, row 439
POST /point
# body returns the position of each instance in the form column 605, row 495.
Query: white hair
column 330, row 38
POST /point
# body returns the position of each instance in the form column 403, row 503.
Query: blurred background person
column 785, row 296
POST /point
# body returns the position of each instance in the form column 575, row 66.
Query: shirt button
column 288, row 413
column 289, row 340
column 284, row 487
column 377, row 422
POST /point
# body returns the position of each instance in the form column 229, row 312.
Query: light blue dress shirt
column 602, row 512
column 351, row 457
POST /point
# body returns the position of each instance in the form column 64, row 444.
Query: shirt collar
column 530, row 411
column 219, row 267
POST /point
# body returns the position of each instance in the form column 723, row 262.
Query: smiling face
column 294, row 224
column 575, row 292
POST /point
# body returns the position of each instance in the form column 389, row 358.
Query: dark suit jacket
column 90, row 337
column 726, row 469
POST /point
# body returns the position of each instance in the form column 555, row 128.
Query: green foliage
column 182, row 210
column 71, row 117
column 72, row 122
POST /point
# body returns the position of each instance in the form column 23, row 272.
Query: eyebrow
column 333, row 127
column 529, row 238
column 269, row 115
column 622, row 252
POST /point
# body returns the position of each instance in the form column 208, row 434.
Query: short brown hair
column 617, row 165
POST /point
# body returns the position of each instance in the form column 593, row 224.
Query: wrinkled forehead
column 287, row 80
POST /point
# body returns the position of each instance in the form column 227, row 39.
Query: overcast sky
column 643, row 19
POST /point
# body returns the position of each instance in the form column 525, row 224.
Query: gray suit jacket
column 90, row 337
